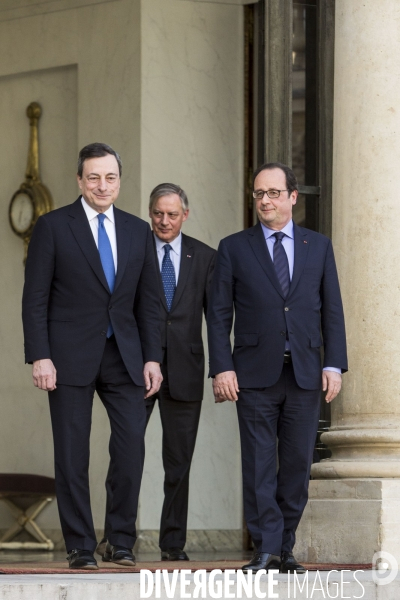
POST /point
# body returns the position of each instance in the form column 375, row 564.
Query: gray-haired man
column 185, row 270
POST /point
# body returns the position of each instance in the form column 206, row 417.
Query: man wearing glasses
column 91, row 323
column 279, row 282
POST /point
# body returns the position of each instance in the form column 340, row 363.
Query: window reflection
column 304, row 107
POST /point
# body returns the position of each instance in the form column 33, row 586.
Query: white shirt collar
column 287, row 230
column 175, row 244
column 92, row 214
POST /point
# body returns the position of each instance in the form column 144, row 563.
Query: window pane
column 304, row 147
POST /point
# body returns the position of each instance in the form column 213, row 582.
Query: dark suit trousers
column 71, row 415
column 180, row 421
column 274, row 502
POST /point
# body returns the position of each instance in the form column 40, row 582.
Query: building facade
column 199, row 92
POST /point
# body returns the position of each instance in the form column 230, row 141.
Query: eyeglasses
column 259, row 194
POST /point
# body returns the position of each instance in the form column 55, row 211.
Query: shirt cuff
column 334, row 369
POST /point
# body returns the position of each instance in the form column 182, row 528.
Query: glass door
column 289, row 53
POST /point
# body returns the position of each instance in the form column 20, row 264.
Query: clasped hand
column 44, row 374
column 225, row 386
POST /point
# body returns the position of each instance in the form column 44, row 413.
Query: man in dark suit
column 91, row 323
column 280, row 283
column 185, row 269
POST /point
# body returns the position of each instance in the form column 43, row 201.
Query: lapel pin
column 188, row 256
column 305, row 241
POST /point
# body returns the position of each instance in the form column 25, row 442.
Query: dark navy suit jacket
column 181, row 326
column 67, row 304
column 245, row 288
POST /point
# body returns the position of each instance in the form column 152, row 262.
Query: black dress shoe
column 262, row 560
column 82, row 559
column 290, row 565
column 101, row 547
column 119, row 555
column 174, row 554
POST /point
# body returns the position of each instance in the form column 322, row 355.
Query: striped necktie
column 281, row 263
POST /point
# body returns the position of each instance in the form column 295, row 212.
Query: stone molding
column 361, row 452
column 198, row 540
column 234, row 2
column 14, row 9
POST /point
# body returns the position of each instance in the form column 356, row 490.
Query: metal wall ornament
column 32, row 199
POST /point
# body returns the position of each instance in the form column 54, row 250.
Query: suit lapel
column 301, row 245
column 124, row 236
column 259, row 246
column 187, row 255
column 83, row 234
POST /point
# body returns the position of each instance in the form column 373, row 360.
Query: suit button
column 283, row 333
column 168, row 322
column 286, row 309
column 110, row 307
column 104, row 333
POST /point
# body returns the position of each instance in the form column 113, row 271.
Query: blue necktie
column 168, row 276
column 107, row 260
column 281, row 263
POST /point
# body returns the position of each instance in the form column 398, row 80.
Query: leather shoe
column 262, row 560
column 119, row 555
column 290, row 565
column 82, row 559
column 174, row 554
column 101, row 547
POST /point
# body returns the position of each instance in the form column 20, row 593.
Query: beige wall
column 83, row 66
column 161, row 81
column 192, row 135
column 25, row 440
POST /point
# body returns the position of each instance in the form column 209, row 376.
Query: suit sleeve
column 147, row 305
column 220, row 314
column 210, row 273
column 332, row 317
column 39, row 272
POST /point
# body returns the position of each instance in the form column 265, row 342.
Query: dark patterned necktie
column 168, row 276
column 281, row 263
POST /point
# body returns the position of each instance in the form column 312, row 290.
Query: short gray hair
column 166, row 189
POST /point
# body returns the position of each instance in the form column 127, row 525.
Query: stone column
column 358, row 514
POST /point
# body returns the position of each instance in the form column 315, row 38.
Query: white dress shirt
column 109, row 224
column 175, row 253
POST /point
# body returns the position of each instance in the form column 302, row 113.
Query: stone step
column 315, row 585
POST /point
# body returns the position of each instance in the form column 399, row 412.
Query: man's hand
column 332, row 382
column 152, row 378
column 44, row 374
column 225, row 386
